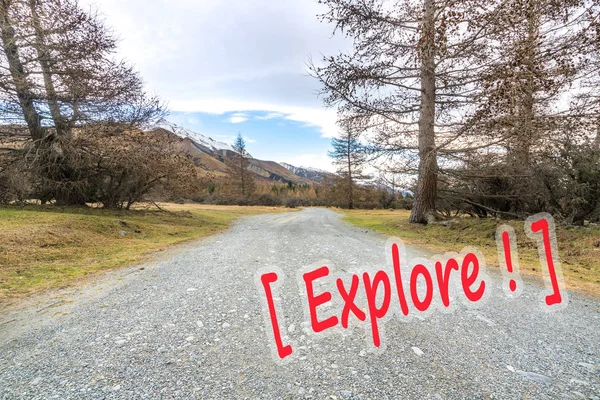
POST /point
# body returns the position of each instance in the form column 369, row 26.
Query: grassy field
column 50, row 247
column 579, row 247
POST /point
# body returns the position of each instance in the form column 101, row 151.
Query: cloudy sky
column 229, row 66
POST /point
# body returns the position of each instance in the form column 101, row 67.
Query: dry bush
column 15, row 180
column 128, row 166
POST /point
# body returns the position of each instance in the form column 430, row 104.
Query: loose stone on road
column 191, row 325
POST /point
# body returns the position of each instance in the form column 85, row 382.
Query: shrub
column 268, row 200
column 405, row 203
column 200, row 199
column 292, row 202
column 386, row 200
column 15, row 183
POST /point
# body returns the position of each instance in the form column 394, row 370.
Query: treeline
column 73, row 116
column 77, row 126
column 325, row 194
column 239, row 187
column 482, row 107
column 478, row 107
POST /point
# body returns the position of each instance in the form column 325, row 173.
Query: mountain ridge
column 212, row 156
column 314, row 174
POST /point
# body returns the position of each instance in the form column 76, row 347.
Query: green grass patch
column 579, row 247
column 51, row 247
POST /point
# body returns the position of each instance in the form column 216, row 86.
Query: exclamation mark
column 512, row 284
column 509, row 260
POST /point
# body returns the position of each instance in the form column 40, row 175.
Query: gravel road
column 190, row 324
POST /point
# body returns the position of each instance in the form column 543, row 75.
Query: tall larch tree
column 59, row 74
column 408, row 80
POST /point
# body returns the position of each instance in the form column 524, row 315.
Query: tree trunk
column 597, row 140
column 17, row 72
column 243, row 175
column 525, row 134
column 425, row 196
column 43, row 54
column 350, row 188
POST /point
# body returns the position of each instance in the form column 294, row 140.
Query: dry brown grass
column 579, row 247
column 50, row 247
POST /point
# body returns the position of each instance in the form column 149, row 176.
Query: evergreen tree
column 349, row 157
column 241, row 176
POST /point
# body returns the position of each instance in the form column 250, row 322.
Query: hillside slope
column 212, row 156
column 312, row 174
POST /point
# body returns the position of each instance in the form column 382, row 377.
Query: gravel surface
column 191, row 325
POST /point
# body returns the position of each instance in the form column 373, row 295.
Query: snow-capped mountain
column 199, row 138
column 212, row 155
column 313, row 174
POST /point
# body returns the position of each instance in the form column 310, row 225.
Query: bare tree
column 537, row 45
column 131, row 166
column 61, row 76
column 540, row 49
column 15, row 85
column 586, row 105
column 409, row 79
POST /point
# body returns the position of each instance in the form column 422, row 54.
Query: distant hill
column 211, row 156
column 313, row 174
column 206, row 144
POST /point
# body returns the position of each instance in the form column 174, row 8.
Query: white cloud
column 228, row 55
column 325, row 120
column 238, row 118
column 322, row 119
column 271, row 115
column 249, row 140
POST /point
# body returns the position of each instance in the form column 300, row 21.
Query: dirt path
column 191, row 325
